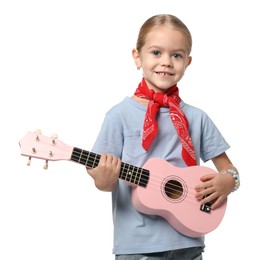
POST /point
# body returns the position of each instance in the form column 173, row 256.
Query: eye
column 156, row 53
column 177, row 56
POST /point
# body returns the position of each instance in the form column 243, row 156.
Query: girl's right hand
column 106, row 174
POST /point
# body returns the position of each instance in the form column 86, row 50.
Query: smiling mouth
column 164, row 73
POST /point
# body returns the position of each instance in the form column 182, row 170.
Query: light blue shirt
column 121, row 136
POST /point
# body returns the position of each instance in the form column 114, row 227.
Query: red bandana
column 172, row 100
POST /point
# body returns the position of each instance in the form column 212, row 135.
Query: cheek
column 146, row 64
column 181, row 67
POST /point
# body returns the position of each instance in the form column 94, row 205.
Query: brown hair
column 159, row 20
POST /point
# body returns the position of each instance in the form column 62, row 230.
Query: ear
column 137, row 58
column 189, row 60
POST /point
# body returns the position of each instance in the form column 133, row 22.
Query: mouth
column 163, row 73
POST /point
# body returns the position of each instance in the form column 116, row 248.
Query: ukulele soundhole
column 174, row 189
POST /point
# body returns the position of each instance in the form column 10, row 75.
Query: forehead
column 166, row 36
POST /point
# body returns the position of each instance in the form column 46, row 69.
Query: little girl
column 155, row 122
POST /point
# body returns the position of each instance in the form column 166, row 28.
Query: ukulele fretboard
column 130, row 173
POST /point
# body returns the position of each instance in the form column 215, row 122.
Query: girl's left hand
column 214, row 188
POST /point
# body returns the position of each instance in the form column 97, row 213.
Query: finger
column 109, row 158
column 199, row 187
column 106, row 160
column 204, row 193
column 103, row 158
column 207, row 177
column 203, row 185
column 118, row 165
column 115, row 160
column 217, row 202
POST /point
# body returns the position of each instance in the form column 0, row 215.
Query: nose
column 166, row 61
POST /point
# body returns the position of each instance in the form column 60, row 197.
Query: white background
column 64, row 64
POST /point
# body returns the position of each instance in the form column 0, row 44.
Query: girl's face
column 163, row 58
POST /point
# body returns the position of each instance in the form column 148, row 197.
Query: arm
column 109, row 145
column 217, row 186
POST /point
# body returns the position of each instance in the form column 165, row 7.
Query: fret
column 144, row 178
column 126, row 172
column 80, row 156
column 74, row 156
column 87, row 159
column 122, row 172
column 136, row 172
column 92, row 158
column 133, row 174
column 95, row 161
column 84, row 157
column 137, row 176
column 129, row 173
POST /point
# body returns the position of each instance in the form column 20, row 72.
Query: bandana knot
column 172, row 100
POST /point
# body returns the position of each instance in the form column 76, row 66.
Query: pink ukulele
column 158, row 188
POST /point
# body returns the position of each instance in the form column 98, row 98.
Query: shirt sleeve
column 110, row 137
column 212, row 141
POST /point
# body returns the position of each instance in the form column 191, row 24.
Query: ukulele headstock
column 36, row 145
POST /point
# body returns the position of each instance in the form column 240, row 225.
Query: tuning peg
column 54, row 137
column 29, row 161
column 45, row 166
column 38, row 132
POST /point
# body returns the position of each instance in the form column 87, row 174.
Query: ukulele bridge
column 206, row 207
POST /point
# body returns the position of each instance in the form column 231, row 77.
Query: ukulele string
column 172, row 188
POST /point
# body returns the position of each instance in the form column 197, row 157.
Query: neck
column 141, row 101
